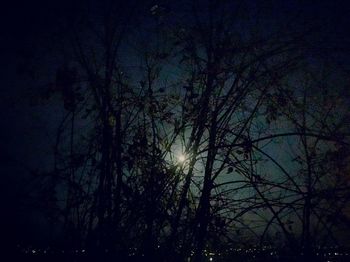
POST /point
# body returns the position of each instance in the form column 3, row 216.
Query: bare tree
column 185, row 141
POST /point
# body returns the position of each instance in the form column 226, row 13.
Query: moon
column 181, row 158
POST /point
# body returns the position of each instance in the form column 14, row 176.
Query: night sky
column 26, row 29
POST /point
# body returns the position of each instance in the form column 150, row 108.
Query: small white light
column 211, row 259
column 182, row 158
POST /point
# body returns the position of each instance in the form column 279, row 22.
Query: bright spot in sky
column 181, row 158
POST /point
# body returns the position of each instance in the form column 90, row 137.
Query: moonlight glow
column 181, row 158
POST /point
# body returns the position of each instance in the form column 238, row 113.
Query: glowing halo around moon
column 181, row 158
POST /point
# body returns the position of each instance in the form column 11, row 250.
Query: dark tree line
column 193, row 131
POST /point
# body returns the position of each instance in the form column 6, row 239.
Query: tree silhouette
column 201, row 138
